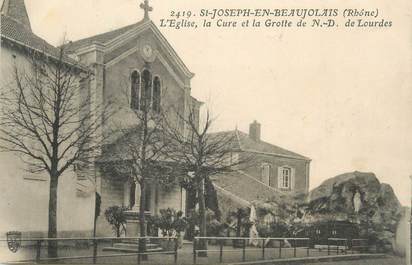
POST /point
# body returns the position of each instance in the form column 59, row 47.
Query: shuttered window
column 286, row 178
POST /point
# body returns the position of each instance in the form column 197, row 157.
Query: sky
column 341, row 97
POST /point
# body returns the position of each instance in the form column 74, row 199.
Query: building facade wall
column 111, row 191
column 116, row 89
column 299, row 166
column 117, row 82
column 25, row 196
column 173, row 198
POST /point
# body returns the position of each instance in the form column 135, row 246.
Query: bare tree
column 201, row 155
column 140, row 149
column 48, row 119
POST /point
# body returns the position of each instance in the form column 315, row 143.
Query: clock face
column 147, row 51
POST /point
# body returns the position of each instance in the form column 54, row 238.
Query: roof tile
column 243, row 142
column 100, row 38
column 16, row 32
column 16, row 9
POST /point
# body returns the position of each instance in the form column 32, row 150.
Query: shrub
column 169, row 221
column 216, row 228
column 115, row 216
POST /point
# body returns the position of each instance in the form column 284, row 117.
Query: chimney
column 254, row 131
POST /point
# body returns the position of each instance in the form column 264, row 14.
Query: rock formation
column 358, row 198
column 354, row 198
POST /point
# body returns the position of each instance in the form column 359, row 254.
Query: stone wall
column 112, row 194
column 171, row 199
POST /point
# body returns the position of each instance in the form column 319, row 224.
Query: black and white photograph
column 205, row 132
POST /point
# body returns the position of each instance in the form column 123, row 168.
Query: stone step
column 134, row 241
column 128, row 250
column 134, row 245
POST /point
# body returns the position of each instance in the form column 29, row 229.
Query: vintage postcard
column 205, row 132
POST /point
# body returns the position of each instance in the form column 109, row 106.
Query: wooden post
column 194, row 251
column 280, row 249
column 94, row 251
column 176, row 247
column 139, row 257
column 337, row 247
column 351, row 245
column 328, row 247
column 308, row 248
column 346, row 246
column 263, row 249
column 294, row 247
column 38, row 251
column 244, row 250
column 221, row 251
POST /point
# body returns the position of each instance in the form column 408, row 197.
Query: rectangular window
column 286, row 177
column 266, row 174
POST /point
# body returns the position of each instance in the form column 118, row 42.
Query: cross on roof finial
column 145, row 6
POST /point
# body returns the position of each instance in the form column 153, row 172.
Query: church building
column 131, row 63
column 128, row 64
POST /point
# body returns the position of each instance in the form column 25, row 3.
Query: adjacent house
column 271, row 170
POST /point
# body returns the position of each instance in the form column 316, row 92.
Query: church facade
column 128, row 64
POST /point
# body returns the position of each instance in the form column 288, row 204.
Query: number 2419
column 178, row 14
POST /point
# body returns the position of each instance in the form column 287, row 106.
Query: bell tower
column 16, row 10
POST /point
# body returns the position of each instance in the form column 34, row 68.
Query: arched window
column 156, row 94
column 135, row 90
column 146, row 97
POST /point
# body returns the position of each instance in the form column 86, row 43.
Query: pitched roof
column 107, row 38
column 242, row 141
column 16, row 10
column 17, row 32
column 13, row 30
column 102, row 38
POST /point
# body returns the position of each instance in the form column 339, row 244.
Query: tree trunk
column 202, row 221
column 142, row 219
column 191, row 210
column 239, row 224
column 52, row 232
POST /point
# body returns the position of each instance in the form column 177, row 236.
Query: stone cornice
column 127, row 36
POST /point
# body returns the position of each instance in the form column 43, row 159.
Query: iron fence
column 233, row 248
column 284, row 244
column 94, row 242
